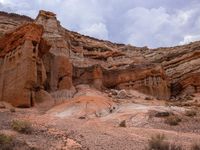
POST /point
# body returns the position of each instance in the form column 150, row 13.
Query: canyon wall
column 43, row 57
column 21, row 69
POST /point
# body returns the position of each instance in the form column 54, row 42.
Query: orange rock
column 42, row 55
column 22, row 72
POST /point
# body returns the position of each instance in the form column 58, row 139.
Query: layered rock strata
column 64, row 59
column 22, row 71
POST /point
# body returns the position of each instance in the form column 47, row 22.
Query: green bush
column 22, row 126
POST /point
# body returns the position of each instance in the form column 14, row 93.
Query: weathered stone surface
column 182, row 66
column 75, row 59
column 44, row 100
column 21, row 70
column 10, row 21
column 149, row 79
column 57, row 62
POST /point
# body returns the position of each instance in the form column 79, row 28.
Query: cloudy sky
column 152, row 23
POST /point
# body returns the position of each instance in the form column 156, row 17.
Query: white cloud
column 4, row 1
column 97, row 30
column 190, row 38
column 157, row 27
column 153, row 23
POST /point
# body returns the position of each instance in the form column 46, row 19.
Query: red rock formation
column 77, row 59
column 22, row 72
column 10, row 21
column 12, row 40
column 57, row 63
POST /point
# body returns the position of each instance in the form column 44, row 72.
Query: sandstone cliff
column 22, row 71
column 65, row 59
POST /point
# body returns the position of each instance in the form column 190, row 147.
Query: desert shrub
column 12, row 110
column 122, row 123
column 6, row 142
column 195, row 146
column 175, row 147
column 158, row 142
column 22, row 126
column 190, row 113
column 172, row 120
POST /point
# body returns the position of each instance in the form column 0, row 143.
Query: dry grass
column 172, row 120
column 6, row 142
column 175, row 147
column 1, row 34
column 195, row 146
column 190, row 113
column 158, row 142
column 22, row 126
column 12, row 110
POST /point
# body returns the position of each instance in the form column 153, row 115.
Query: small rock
column 2, row 106
column 123, row 123
column 122, row 94
column 162, row 114
column 155, row 113
column 148, row 98
column 110, row 95
column 114, row 92
column 82, row 117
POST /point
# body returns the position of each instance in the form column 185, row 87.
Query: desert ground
column 60, row 90
column 106, row 120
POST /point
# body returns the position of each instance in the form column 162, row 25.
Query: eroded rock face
column 57, row 62
column 22, row 72
column 10, row 21
column 181, row 64
column 149, row 79
column 52, row 60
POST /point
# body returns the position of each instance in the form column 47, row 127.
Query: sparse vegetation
column 190, row 113
column 122, row 123
column 158, row 142
column 1, row 34
column 195, row 146
column 12, row 110
column 22, row 126
column 172, row 120
column 175, row 147
column 6, row 142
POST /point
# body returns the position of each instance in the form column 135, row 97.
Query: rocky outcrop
column 149, row 79
column 10, row 21
column 22, row 72
column 52, row 60
column 57, row 62
column 182, row 66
